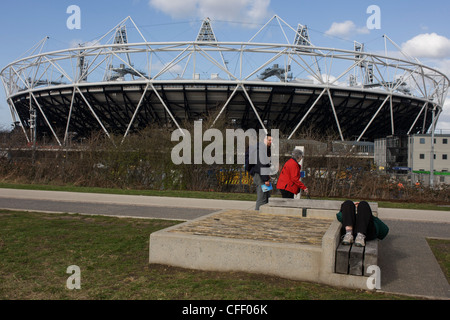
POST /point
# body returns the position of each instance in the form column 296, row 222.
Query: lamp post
column 432, row 150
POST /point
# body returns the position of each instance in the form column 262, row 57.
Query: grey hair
column 297, row 154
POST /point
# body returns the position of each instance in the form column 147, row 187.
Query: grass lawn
column 441, row 250
column 112, row 254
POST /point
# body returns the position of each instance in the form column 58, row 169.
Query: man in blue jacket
column 258, row 159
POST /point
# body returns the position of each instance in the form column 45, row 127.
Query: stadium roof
column 122, row 82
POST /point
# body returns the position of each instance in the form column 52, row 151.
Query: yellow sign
column 228, row 177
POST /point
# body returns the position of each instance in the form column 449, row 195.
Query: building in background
column 410, row 158
column 391, row 154
column 423, row 157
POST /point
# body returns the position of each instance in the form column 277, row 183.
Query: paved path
column 78, row 202
column 115, row 205
column 109, row 209
column 406, row 262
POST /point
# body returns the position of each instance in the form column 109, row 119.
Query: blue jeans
column 261, row 197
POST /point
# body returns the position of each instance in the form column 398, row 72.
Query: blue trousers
column 261, row 197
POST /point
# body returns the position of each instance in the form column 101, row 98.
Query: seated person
column 358, row 221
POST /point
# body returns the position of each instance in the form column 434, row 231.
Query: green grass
column 199, row 194
column 441, row 250
column 112, row 253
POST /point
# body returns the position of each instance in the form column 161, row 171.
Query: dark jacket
column 255, row 161
column 289, row 178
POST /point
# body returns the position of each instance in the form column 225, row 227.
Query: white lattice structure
column 118, row 86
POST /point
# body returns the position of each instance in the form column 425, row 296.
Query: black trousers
column 360, row 219
column 286, row 194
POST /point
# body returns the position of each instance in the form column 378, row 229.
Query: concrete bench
column 205, row 244
column 354, row 260
column 312, row 208
column 349, row 259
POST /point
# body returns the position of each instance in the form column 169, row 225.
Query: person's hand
column 267, row 183
column 306, row 190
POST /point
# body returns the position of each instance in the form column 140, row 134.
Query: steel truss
column 119, row 87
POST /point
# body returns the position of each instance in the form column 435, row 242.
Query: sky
column 419, row 28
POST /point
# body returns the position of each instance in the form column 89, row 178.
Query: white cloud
column 75, row 43
column 444, row 118
column 424, row 27
column 345, row 29
column 175, row 69
column 327, row 79
column 443, row 65
column 233, row 10
column 427, row 45
column 175, row 8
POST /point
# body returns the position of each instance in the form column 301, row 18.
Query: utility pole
column 432, row 150
column 33, row 124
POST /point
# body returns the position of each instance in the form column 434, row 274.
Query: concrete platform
column 293, row 247
column 326, row 209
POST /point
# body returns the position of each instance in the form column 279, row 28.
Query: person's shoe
column 360, row 240
column 347, row 238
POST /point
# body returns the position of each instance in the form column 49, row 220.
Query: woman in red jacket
column 289, row 182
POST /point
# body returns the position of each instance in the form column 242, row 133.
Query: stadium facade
column 118, row 86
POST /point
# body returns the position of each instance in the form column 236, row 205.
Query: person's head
column 297, row 154
column 268, row 140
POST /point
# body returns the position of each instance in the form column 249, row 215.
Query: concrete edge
column 330, row 242
column 313, row 203
column 321, row 209
column 216, row 254
column 92, row 214
column 121, row 199
column 219, row 254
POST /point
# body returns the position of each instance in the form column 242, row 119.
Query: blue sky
column 419, row 26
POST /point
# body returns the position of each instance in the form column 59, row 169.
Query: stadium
column 122, row 83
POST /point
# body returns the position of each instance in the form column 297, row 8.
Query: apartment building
column 391, row 153
column 420, row 153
